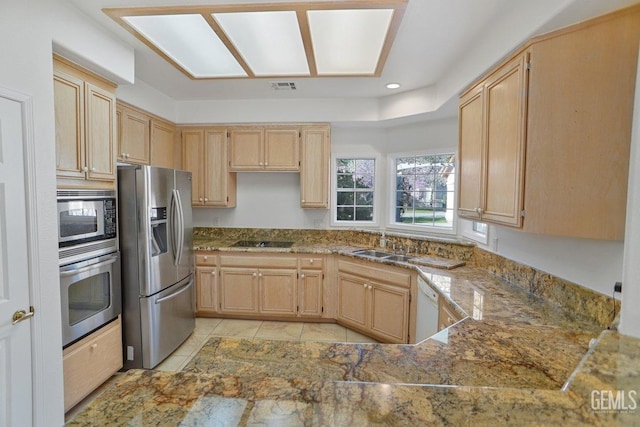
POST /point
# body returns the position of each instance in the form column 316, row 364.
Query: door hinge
column 322, row 309
column 228, row 134
column 522, row 212
column 322, row 276
column 528, row 65
column 409, row 298
column 297, row 309
column 298, row 275
column 227, row 199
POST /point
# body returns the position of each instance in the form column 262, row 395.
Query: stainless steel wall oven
column 90, row 290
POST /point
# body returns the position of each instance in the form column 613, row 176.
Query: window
column 424, row 191
column 480, row 228
column 355, row 186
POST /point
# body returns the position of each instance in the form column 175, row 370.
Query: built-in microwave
column 87, row 225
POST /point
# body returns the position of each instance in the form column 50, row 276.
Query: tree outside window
column 355, row 189
column 425, row 190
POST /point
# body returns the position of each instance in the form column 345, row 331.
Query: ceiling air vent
column 283, row 85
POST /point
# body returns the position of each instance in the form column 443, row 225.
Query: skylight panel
column 190, row 42
column 269, row 42
column 348, row 41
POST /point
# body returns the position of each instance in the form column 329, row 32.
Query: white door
column 15, row 339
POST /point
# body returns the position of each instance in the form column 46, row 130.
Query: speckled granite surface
column 516, row 359
column 221, row 399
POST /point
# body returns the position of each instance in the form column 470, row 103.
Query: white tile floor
column 291, row 331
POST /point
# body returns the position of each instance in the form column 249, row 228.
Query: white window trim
column 466, row 230
column 391, row 196
column 377, row 190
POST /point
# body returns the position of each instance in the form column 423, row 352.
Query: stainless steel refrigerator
column 156, row 241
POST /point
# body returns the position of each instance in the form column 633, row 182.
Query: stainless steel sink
column 372, row 253
column 261, row 244
column 401, row 258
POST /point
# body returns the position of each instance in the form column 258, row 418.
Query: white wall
column 27, row 31
column 595, row 264
column 149, row 99
column 630, row 316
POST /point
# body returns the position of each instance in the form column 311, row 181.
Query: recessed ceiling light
column 393, row 85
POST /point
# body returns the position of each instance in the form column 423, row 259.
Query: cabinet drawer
column 206, row 259
column 311, row 263
column 380, row 274
column 259, row 261
column 90, row 362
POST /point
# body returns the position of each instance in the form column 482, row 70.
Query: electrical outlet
column 617, row 287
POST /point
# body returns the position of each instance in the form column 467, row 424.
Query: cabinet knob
column 94, row 346
column 93, row 169
column 200, row 199
column 365, row 285
column 302, row 276
column 302, row 200
column 123, row 155
column 260, row 163
column 259, row 274
column 311, row 261
column 206, row 199
column 205, row 257
column 266, row 163
column 255, row 274
column 213, row 273
column 85, row 169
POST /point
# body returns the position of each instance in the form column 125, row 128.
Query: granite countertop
column 514, row 359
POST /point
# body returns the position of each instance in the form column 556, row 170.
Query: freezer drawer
column 167, row 319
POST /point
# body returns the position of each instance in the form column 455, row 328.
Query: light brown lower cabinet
column 90, row 362
column 374, row 300
column 371, row 298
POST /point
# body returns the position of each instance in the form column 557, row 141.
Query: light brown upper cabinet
column 577, row 132
column 133, row 136
column 492, row 146
column 162, row 143
column 259, row 148
column 315, row 157
column 85, row 111
column 204, row 154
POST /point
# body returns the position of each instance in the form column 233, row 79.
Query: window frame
column 377, row 190
column 391, row 199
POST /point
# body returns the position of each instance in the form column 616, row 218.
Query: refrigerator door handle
column 174, row 227
column 180, row 230
column 176, row 293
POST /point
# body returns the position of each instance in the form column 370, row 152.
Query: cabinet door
column 310, row 293
column 91, row 361
column 207, row 289
column 219, row 184
column 505, row 93
column 246, row 149
column 352, row 300
column 390, row 312
column 162, row 146
column 277, row 292
column 68, row 99
column 100, row 118
column 134, row 137
column 282, row 149
column 238, row 291
column 314, row 167
column 192, row 161
column 470, row 154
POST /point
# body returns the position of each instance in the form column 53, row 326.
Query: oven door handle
column 67, row 271
column 176, row 293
